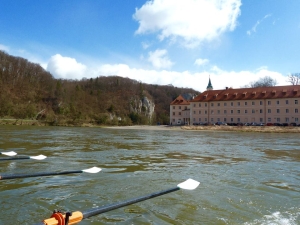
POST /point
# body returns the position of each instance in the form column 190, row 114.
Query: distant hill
column 27, row 91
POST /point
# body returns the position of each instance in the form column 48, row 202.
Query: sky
column 177, row 42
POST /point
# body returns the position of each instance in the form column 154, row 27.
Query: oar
column 39, row 157
column 91, row 170
column 77, row 216
column 11, row 153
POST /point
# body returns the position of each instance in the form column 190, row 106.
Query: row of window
column 245, row 111
column 245, row 103
column 239, row 120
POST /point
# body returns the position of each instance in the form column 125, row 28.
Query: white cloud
column 66, row 68
column 4, row 48
column 69, row 68
column 192, row 21
column 159, row 59
column 201, row 62
column 253, row 29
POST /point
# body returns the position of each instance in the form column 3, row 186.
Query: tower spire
column 209, row 86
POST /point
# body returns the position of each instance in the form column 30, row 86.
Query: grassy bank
column 261, row 129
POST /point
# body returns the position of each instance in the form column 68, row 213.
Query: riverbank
column 260, row 129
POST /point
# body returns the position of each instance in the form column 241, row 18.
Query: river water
column 246, row 178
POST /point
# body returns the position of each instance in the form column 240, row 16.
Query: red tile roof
column 180, row 101
column 249, row 93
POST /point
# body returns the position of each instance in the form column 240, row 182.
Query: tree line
column 27, row 91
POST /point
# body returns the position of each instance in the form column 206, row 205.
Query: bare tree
column 262, row 82
column 294, row 78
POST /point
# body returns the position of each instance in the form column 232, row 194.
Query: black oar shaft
column 15, row 158
column 5, row 177
column 104, row 209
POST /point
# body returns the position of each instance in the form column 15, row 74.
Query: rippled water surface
column 246, row 178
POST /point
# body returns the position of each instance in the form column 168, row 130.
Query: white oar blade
column 39, row 157
column 9, row 153
column 92, row 170
column 189, row 184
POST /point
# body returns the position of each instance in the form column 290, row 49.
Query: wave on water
column 278, row 218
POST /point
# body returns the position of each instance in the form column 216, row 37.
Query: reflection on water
column 245, row 178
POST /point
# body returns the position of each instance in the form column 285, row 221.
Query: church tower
column 209, row 86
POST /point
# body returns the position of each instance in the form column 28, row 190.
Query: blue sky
column 178, row 42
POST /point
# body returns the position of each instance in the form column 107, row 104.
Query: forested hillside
column 27, row 91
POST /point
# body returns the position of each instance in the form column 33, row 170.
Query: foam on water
column 278, row 218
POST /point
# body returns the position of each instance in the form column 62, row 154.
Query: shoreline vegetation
column 259, row 129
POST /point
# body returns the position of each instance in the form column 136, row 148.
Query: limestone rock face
column 142, row 106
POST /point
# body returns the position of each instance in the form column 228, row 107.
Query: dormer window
column 254, row 93
column 274, row 92
column 284, row 91
column 264, row 92
column 205, row 96
column 245, row 93
column 295, row 90
column 235, row 94
column 226, row 94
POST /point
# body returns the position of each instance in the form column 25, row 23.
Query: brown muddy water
column 246, row 178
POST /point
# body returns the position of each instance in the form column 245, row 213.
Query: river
column 246, row 178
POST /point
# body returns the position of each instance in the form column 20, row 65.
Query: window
column 278, row 110
column 173, row 121
column 231, row 111
column 231, row 119
column 238, row 103
column 212, row 112
column 218, row 119
column 225, row 111
column 296, row 119
column 277, row 102
column 199, row 104
column 296, row 102
column 205, row 112
column 287, row 102
column 179, row 107
column 179, row 113
column 287, row 119
column 194, row 119
column 287, row 110
column 239, row 111
column 205, row 119
column 296, row 110
column 231, row 103
column 278, row 119
column 225, row 104
column 246, row 111
column 194, row 105
column 260, row 102
column 261, row 120
column 269, row 102
column 200, row 112
column 253, row 103
column 194, row 112
column 199, row 119
column 211, row 104
column 173, row 107
column 269, row 110
column 224, row 119
column 269, row 119
column 218, row 111
column 212, row 119
column 173, row 113
column 218, row 104
column 260, row 111
column 239, row 120
column 205, row 104
column 253, row 110
column 246, row 103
